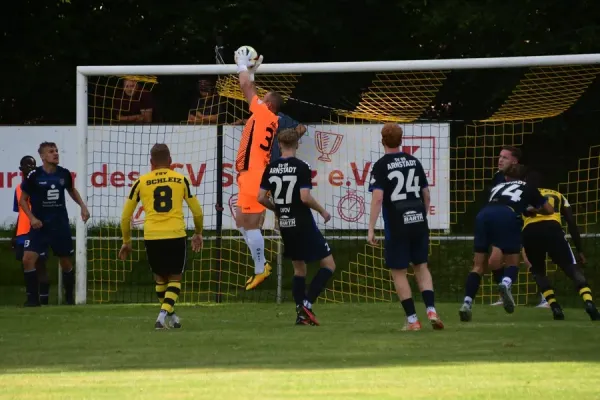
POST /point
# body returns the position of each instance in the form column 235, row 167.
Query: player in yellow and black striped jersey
column 162, row 193
column 543, row 234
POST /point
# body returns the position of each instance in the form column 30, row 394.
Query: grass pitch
column 253, row 351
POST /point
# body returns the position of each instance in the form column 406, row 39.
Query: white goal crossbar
column 298, row 68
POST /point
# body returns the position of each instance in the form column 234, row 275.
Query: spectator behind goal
column 134, row 105
column 205, row 107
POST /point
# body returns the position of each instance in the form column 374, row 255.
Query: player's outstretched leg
column 574, row 272
column 317, row 285
column 471, row 287
column 425, row 283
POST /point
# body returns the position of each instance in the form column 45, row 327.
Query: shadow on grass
column 260, row 336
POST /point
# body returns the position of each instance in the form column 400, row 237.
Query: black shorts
column 497, row 226
column 546, row 237
column 412, row 247
column 167, row 256
column 20, row 251
column 306, row 245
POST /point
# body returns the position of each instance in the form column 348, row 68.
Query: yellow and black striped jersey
column 556, row 200
column 162, row 193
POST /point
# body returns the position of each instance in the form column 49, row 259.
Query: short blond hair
column 288, row 138
column 391, row 135
column 160, row 153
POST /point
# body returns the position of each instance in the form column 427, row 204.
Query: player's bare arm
column 247, row 86
column 198, row 216
column 300, row 130
column 199, row 117
column 133, row 118
column 85, row 213
column 24, row 204
column 246, row 69
column 567, row 213
column 265, row 200
column 310, row 201
column 376, row 202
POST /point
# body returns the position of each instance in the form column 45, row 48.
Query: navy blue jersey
column 498, row 178
column 47, row 194
column 402, row 178
column 284, row 178
column 516, row 195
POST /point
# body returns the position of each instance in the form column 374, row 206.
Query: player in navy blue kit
column 399, row 185
column 509, row 155
column 499, row 225
column 22, row 228
column 44, row 188
column 289, row 181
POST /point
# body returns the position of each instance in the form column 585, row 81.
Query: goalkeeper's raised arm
column 246, row 67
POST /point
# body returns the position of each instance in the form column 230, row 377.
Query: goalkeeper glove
column 242, row 59
column 253, row 68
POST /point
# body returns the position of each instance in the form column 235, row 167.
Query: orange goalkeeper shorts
column 248, row 188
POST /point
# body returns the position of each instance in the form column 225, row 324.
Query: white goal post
column 83, row 72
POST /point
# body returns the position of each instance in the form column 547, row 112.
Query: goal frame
column 83, row 72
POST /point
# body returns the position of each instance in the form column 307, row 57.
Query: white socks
column 245, row 235
column 507, row 281
column 256, row 243
column 468, row 300
column 161, row 316
column 412, row 318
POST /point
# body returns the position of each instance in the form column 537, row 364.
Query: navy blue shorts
column 20, row 249
column 402, row 250
column 304, row 245
column 500, row 227
column 58, row 239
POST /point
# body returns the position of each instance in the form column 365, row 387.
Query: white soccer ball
column 250, row 52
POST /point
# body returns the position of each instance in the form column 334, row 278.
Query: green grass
column 253, row 351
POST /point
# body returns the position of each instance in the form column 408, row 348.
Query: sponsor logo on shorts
column 413, row 217
column 287, row 222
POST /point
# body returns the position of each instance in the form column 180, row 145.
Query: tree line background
column 42, row 42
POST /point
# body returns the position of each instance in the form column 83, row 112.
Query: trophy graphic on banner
column 327, row 143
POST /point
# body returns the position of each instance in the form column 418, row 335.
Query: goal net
column 450, row 122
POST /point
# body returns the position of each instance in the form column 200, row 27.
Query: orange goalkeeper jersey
column 257, row 138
